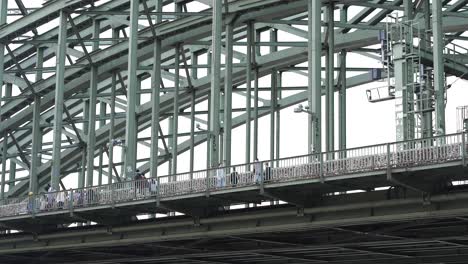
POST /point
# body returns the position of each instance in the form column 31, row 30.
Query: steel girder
column 397, row 229
column 116, row 50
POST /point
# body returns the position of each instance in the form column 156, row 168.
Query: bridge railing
column 411, row 153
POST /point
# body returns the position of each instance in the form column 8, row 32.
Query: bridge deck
column 423, row 166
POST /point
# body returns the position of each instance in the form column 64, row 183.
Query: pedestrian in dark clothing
column 137, row 175
column 234, row 176
column 267, row 172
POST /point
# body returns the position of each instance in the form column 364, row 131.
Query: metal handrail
column 320, row 166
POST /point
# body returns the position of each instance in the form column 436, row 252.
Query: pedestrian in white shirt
column 257, row 171
column 220, row 176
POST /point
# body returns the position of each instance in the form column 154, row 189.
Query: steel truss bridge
column 74, row 107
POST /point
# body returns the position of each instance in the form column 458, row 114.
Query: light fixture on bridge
column 303, row 109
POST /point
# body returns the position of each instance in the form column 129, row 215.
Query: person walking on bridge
column 257, row 171
column 220, row 176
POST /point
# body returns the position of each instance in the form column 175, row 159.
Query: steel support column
column 248, row 101
column 82, row 173
column 273, row 95
column 314, row 80
column 208, row 160
column 92, row 91
column 102, row 105
column 343, row 86
column 115, row 34
column 401, row 72
column 330, row 77
column 228, row 93
column 221, row 130
column 12, row 173
column 427, row 91
column 155, row 98
column 4, row 163
column 278, row 117
column 131, row 125
column 112, row 127
column 194, row 73
column 215, row 83
column 255, row 48
column 59, row 102
column 408, row 9
column 102, row 123
column 170, row 132
column 208, row 146
column 36, row 129
column 439, row 75
column 3, row 19
column 175, row 121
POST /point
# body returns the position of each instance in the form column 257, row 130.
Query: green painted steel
column 175, row 110
column 131, row 117
column 59, row 102
column 124, row 64
column 315, row 76
column 215, row 91
column 36, row 130
column 330, row 78
column 342, row 97
column 227, row 128
column 439, row 75
column 248, row 98
column 155, row 98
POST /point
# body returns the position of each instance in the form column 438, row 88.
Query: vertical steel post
column 315, row 72
column 59, row 102
column 170, row 132
column 91, row 141
column 3, row 19
column 208, row 160
column 215, row 82
column 115, row 35
column 194, row 72
column 278, row 117
column 102, row 122
column 208, row 146
column 175, row 121
column 273, row 103
column 439, row 74
column 102, row 105
column 221, row 130
column 36, row 128
column 401, row 73
column 250, row 39
column 12, row 173
column 131, row 128
column 256, row 48
column 111, row 127
column 228, row 93
column 82, row 173
column 330, row 91
column 4, row 161
column 408, row 9
column 273, row 95
column 155, row 97
column 427, row 93
column 463, row 135
column 342, row 93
